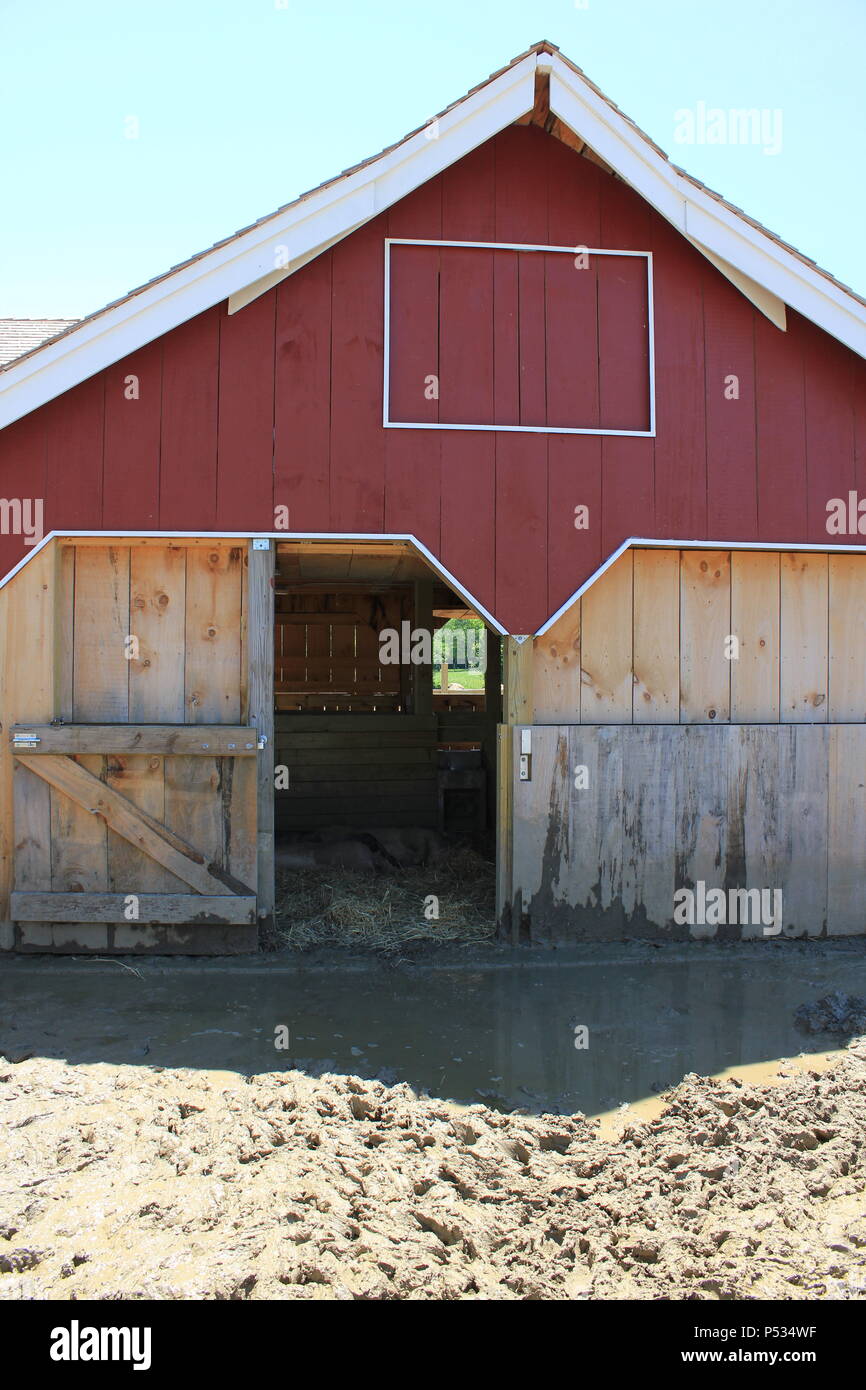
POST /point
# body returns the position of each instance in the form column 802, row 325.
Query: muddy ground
column 134, row 1182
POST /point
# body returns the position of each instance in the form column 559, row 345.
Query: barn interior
column 384, row 767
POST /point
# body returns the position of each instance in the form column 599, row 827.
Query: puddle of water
column 505, row 1036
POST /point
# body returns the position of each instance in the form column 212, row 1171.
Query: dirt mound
column 124, row 1182
column 843, row 1015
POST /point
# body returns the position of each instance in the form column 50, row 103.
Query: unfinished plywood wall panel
column 606, row 657
column 141, row 780
column 213, row 635
column 32, row 857
column 542, row 806
column 804, row 638
column 846, row 831
column 100, row 690
column 755, row 625
column 158, row 622
column 212, row 695
column 556, row 675
column 705, row 625
column 64, row 628
column 656, row 637
column 847, row 639
column 519, row 665
column 803, row 824
column 753, row 808
column 701, row 763
column 715, row 637
column 749, row 809
column 79, row 853
column 27, row 689
column 649, row 786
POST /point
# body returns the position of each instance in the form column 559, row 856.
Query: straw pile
column 383, row 913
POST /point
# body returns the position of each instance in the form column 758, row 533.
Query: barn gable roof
column 238, row 269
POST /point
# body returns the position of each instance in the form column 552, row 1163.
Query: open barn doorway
column 387, row 694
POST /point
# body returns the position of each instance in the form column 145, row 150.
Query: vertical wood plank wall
column 28, row 635
column 710, row 637
column 64, row 624
column 260, row 640
column 746, row 807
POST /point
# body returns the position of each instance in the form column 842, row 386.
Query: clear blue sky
column 243, row 104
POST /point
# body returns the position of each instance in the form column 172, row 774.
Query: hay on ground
column 382, row 912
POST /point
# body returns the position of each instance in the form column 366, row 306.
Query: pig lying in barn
column 384, row 850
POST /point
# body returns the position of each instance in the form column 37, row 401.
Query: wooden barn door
column 138, row 805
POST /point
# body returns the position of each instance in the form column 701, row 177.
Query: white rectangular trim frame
column 388, row 423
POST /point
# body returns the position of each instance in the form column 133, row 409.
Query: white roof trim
column 227, row 270
column 406, row 537
column 247, row 265
column 644, row 543
column 350, row 537
column 701, row 217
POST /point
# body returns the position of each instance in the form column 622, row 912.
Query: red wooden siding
column 245, row 442
column 413, row 467
column 190, row 406
column 521, row 204
column 469, row 460
column 281, row 404
column 133, row 413
column 573, row 461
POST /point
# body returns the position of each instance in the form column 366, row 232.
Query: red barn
column 517, row 366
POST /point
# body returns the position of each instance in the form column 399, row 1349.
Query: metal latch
column 525, row 773
column 262, row 741
column 25, row 740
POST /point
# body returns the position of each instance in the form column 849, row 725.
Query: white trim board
column 406, row 537
column 248, row 261
column 387, row 423
column 350, row 537
column 308, row 225
column 704, row 219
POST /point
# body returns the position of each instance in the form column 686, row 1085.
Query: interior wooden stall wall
column 326, row 652
column 65, row 622
column 715, row 637
column 370, row 770
column 357, row 770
